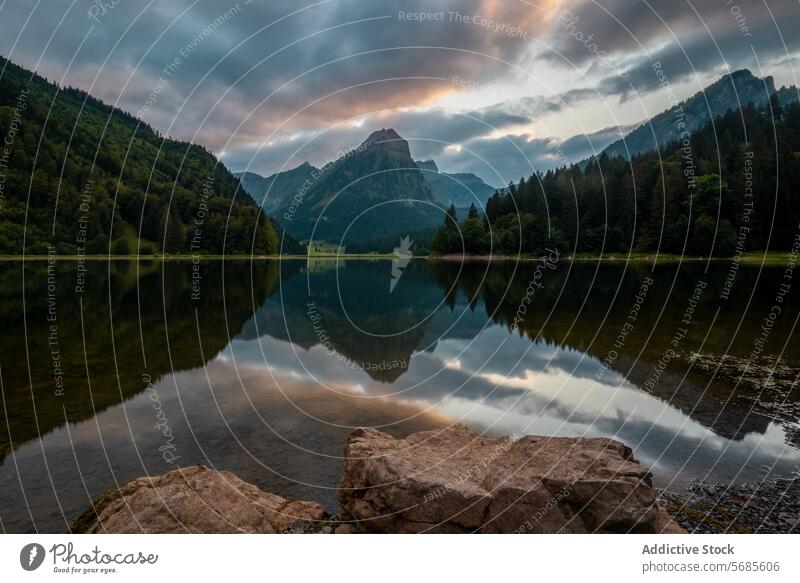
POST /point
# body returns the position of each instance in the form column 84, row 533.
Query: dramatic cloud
column 459, row 143
column 517, row 156
column 618, row 40
column 430, row 133
column 261, row 64
column 270, row 84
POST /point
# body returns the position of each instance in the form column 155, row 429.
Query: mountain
column 86, row 177
column 721, row 201
column 461, row 189
column 276, row 190
column 373, row 192
column 729, row 93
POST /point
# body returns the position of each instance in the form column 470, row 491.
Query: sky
column 501, row 88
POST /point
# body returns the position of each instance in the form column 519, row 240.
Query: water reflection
column 265, row 373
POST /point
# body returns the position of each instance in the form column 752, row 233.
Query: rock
column 758, row 507
column 454, row 481
column 195, row 499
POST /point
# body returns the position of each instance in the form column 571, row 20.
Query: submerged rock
column 196, row 499
column 454, row 480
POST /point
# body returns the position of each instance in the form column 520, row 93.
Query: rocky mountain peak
column 387, row 139
column 742, row 74
column 744, row 78
column 358, row 184
column 728, row 93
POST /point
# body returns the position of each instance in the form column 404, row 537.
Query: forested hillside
column 733, row 186
column 75, row 172
column 729, row 93
column 373, row 193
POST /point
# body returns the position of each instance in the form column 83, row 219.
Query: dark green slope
column 69, row 147
column 373, row 192
column 729, row 93
column 731, row 188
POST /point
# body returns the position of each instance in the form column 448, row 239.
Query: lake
column 115, row 370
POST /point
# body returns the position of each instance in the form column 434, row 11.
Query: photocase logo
column 31, row 556
column 403, row 255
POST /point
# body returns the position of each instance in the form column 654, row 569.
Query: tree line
column 78, row 175
column 730, row 187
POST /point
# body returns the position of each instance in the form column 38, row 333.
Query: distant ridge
column 384, row 165
column 274, row 191
column 729, row 93
column 461, row 189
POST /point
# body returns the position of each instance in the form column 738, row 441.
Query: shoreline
column 766, row 507
column 751, row 258
column 754, row 258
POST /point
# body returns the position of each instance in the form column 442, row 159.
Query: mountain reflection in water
column 268, row 369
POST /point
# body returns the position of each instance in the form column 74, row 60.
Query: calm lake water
column 264, row 368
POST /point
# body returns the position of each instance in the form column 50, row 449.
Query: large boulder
column 199, row 500
column 453, row 480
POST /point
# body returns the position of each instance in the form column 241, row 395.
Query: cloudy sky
column 496, row 87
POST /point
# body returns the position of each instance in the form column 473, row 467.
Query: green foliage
column 372, row 193
column 121, row 247
column 718, row 194
column 474, row 236
column 80, row 172
column 448, row 237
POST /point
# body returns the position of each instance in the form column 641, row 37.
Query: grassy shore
column 161, row 257
column 750, row 258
